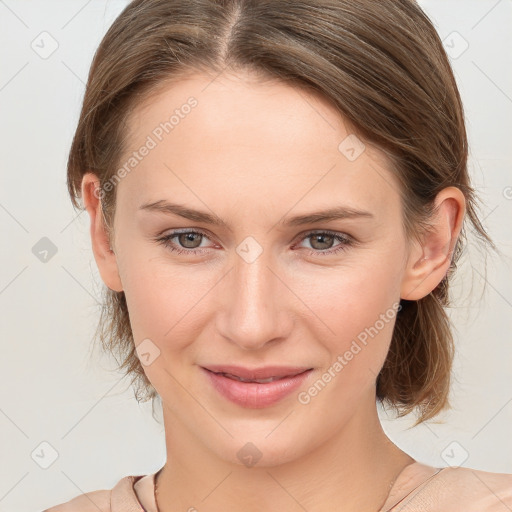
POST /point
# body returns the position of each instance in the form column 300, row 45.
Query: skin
column 254, row 154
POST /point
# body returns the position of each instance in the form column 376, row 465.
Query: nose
column 254, row 304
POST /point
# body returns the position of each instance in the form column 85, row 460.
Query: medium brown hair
column 380, row 63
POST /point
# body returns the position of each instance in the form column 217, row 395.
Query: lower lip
column 252, row 394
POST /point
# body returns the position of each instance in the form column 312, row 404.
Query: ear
column 101, row 245
column 428, row 262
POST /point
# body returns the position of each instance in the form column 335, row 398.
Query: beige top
column 418, row 488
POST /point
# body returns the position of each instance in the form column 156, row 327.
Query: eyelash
column 345, row 242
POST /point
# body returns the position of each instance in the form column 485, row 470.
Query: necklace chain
column 385, row 499
column 156, row 490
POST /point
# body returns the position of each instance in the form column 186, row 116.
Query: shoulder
column 462, row 489
column 485, row 487
column 101, row 500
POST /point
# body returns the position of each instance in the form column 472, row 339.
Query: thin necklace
column 156, row 489
column 380, row 508
column 414, row 488
column 387, row 494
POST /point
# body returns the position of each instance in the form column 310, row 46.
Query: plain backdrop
column 68, row 423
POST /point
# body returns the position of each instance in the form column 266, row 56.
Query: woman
column 277, row 193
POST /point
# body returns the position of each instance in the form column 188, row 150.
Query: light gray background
column 53, row 392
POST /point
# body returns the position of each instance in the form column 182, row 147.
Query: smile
column 255, row 393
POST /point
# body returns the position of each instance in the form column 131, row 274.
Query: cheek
column 161, row 309
column 170, row 303
column 164, row 299
column 356, row 306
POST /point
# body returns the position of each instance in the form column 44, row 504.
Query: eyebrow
column 335, row 213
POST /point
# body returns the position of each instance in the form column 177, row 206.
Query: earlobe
column 101, row 245
column 429, row 261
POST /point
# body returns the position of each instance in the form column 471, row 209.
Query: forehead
column 267, row 141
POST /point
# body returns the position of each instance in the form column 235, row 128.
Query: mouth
column 258, row 387
column 259, row 381
column 261, row 375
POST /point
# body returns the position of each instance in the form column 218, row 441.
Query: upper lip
column 264, row 372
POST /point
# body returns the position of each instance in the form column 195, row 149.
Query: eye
column 322, row 242
column 190, row 240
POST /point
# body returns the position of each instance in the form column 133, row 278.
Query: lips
column 256, row 387
column 257, row 374
column 258, row 381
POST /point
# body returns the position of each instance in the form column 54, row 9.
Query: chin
column 260, row 450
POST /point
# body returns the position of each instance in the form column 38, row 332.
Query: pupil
column 322, row 237
column 188, row 238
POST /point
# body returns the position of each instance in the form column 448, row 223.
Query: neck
column 352, row 471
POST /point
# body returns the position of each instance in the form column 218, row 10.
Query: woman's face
column 260, row 289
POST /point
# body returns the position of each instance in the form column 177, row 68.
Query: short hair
column 380, row 64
